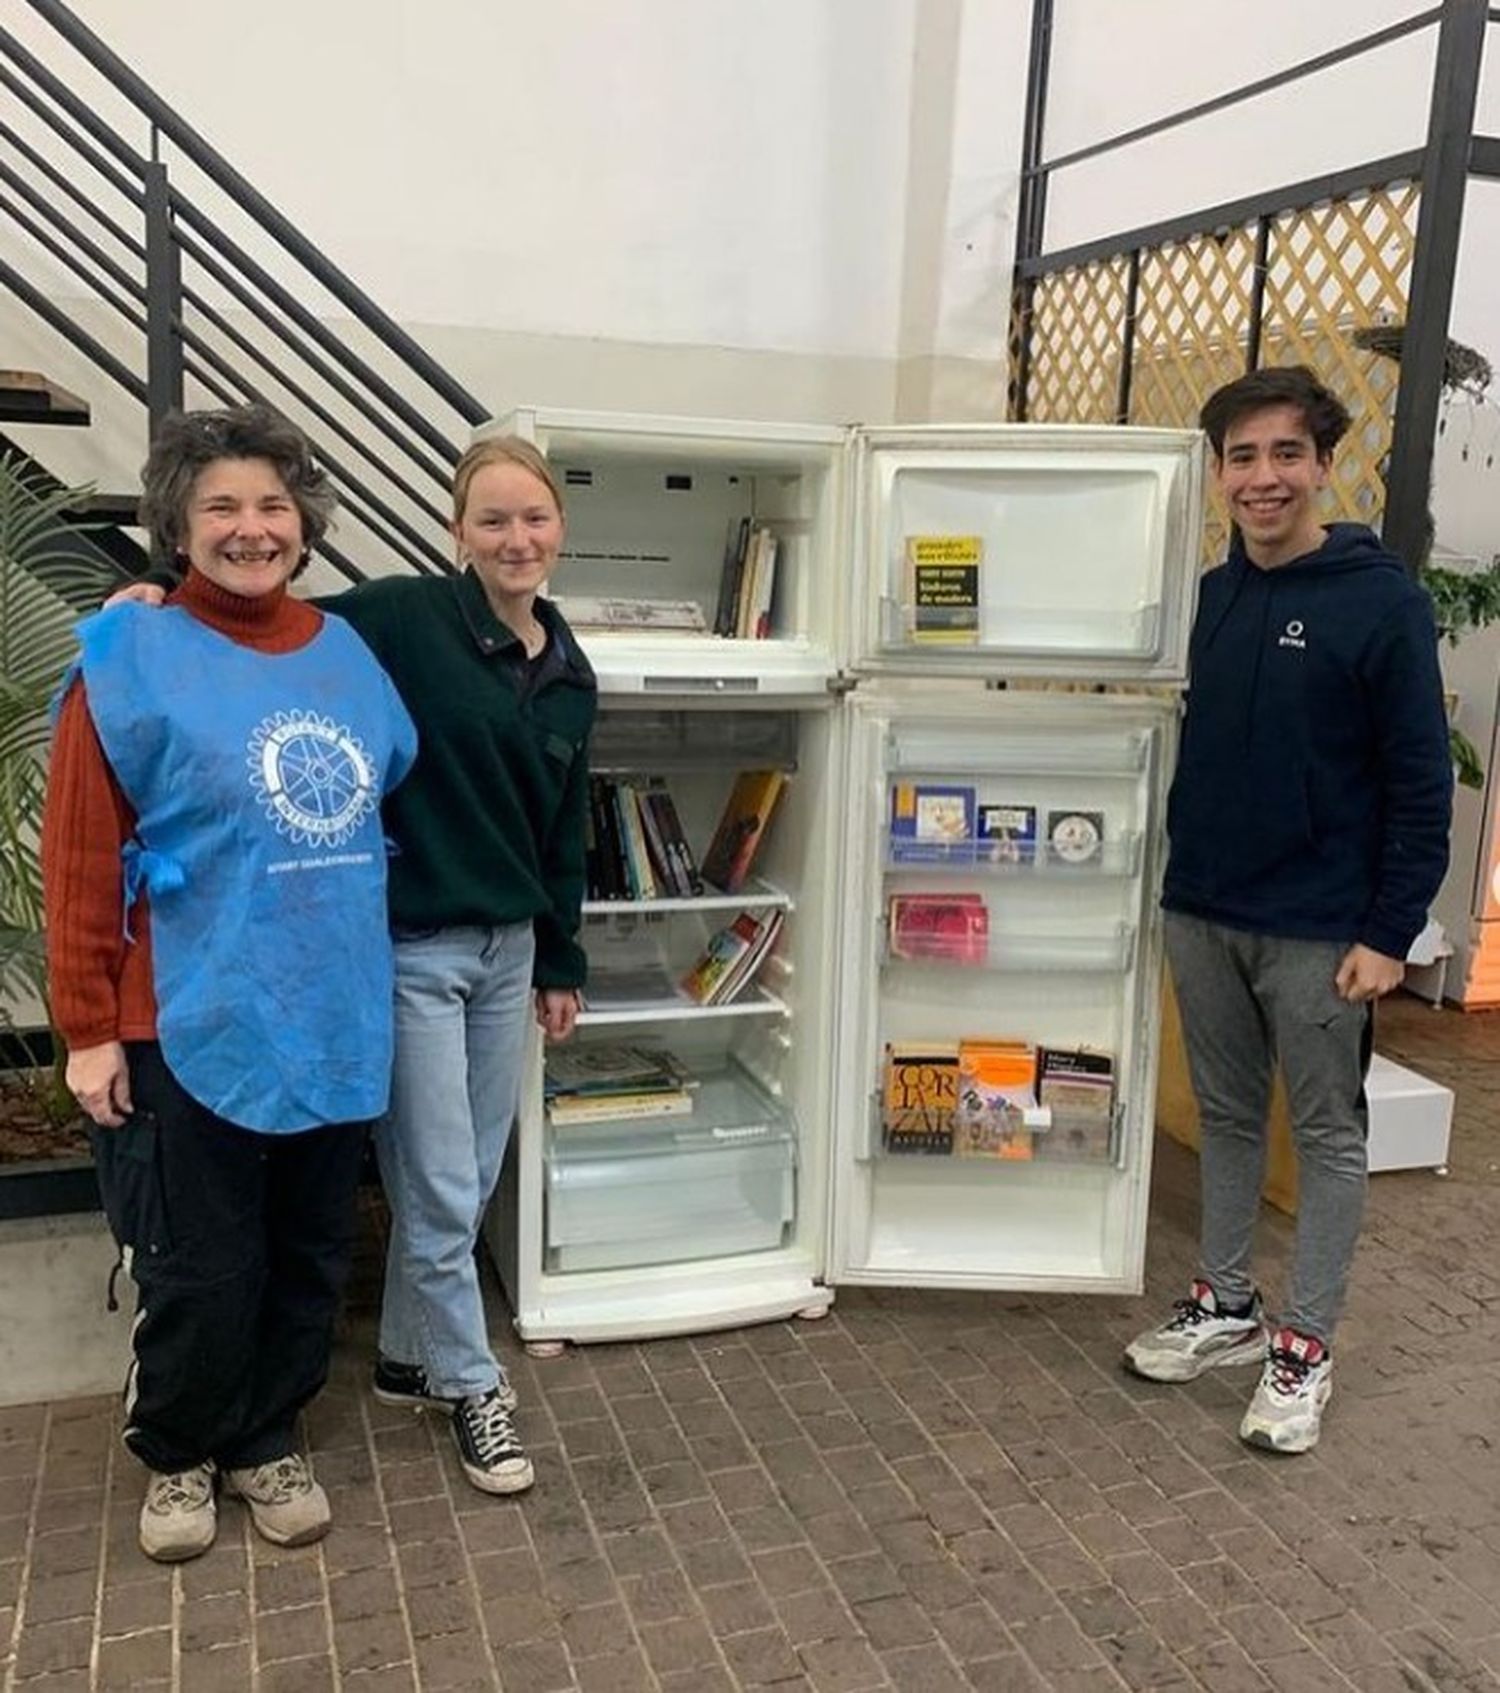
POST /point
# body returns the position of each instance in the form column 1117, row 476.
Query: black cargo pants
column 239, row 1245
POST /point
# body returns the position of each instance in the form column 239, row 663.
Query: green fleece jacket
column 489, row 826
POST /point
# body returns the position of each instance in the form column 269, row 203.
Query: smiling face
column 510, row 530
column 1271, row 476
column 243, row 530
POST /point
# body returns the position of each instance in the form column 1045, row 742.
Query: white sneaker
column 286, row 1505
column 178, row 1517
column 1197, row 1338
column 1296, row 1384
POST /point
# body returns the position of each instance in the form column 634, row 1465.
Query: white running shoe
column 1286, row 1413
column 1198, row 1337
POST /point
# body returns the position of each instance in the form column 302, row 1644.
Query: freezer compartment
column 670, row 1190
column 693, row 547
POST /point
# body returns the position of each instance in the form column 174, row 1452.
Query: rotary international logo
column 312, row 775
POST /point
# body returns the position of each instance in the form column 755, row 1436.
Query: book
column 736, row 546
column 611, row 1067
column 742, row 828
column 586, row 611
column 609, row 865
column 1077, row 1088
column 997, row 1106
column 663, row 872
column 659, row 798
column 942, row 573
column 931, row 824
column 952, row 927
column 732, row 957
column 608, row 1107
column 1075, row 837
column 1005, row 834
column 640, row 855
column 919, row 1092
column 763, row 589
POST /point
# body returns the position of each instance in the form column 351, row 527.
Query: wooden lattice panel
column 1192, row 325
column 1332, row 269
column 1077, row 332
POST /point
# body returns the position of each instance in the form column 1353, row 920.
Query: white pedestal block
column 1410, row 1118
column 57, row 1340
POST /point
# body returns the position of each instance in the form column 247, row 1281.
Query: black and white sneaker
column 407, row 1384
column 488, row 1446
column 1199, row 1336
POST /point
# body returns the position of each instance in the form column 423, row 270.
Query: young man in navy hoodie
column 1309, row 832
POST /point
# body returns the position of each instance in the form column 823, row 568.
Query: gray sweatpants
column 1248, row 1001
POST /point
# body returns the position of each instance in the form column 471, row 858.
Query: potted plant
column 49, row 574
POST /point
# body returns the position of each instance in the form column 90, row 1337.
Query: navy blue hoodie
column 1314, row 785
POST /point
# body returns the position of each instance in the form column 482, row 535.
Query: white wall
column 699, row 175
column 1116, row 66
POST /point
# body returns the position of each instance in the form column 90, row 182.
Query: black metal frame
column 1450, row 154
column 405, row 454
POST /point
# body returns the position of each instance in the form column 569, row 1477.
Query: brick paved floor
column 923, row 1492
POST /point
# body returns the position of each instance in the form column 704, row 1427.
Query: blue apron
column 256, row 779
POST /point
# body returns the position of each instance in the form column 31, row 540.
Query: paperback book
column 590, row 612
column 943, row 588
column 997, row 1103
column 918, row 1097
column 732, row 958
column 1077, row 1088
column 1006, row 834
column 742, row 828
column 932, row 823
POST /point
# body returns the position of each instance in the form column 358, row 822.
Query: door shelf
column 904, row 857
column 917, row 754
column 1020, row 951
column 1058, row 1138
column 756, row 1002
column 1067, row 631
column 755, row 895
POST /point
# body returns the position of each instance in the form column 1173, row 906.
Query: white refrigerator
column 1054, row 704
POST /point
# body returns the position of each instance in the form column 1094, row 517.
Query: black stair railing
column 189, row 312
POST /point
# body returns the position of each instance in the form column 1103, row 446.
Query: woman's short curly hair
column 187, row 442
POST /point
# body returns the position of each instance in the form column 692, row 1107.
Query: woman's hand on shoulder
column 99, row 1079
column 138, row 593
column 557, row 1012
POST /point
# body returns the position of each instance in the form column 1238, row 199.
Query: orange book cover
column 996, row 1087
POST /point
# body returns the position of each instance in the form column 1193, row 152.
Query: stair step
column 26, row 396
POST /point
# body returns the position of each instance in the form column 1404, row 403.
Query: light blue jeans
column 463, row 1007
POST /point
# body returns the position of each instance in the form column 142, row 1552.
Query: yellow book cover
column 919, row 1096
column 943, row 588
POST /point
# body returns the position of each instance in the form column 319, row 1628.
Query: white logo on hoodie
column 1293, row 636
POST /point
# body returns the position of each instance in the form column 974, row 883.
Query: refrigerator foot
column 546, row 1348
column 813, row 1313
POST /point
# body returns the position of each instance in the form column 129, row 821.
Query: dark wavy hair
column 1324, row 415
column 187, row 442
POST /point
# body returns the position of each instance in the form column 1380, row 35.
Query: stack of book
column 747, row 582
column 732, row 959
column 635, row 844
column 597, row 1084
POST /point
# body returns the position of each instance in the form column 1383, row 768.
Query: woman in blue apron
column 486, row 891
column 221, row 968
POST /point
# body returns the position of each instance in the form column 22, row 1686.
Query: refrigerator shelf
column 755, row 895
column 906, row 857
column 1024, row 951
column 756, row 1002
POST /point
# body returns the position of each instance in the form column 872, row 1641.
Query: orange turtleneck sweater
column 101, row 984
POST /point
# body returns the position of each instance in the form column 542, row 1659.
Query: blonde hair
column 501, row 449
